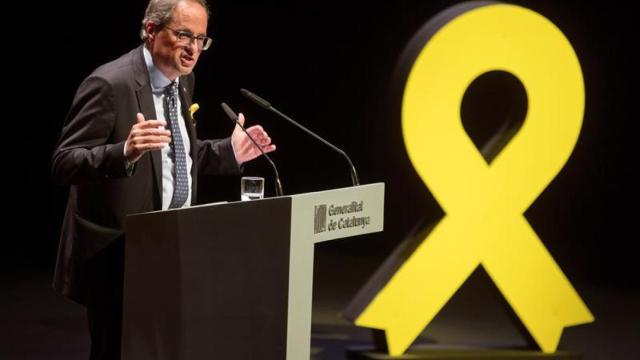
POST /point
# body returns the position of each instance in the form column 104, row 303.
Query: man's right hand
column 145, row 135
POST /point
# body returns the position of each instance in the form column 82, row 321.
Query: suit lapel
column 148, row 109
column 185, row 100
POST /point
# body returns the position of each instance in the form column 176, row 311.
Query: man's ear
column 151, row 29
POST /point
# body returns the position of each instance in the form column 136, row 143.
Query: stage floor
column 39, row 324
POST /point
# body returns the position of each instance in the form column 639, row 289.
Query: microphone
column 265, row 104
column 232, row 115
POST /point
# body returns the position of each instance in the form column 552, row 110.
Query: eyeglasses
column 186, row 37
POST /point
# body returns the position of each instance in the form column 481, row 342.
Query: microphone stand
column 265, row 104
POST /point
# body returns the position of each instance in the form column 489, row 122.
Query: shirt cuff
column 129, row 167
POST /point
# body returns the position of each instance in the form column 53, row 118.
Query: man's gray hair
column 159, row 12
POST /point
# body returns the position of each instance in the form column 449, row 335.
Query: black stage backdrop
column 328, row 65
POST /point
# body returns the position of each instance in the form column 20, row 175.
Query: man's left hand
column 244, row 148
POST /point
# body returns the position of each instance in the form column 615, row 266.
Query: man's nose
column 192, row 46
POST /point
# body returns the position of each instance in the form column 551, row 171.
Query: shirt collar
column 158, row 80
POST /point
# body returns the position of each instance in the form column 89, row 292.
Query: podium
column 234, row 280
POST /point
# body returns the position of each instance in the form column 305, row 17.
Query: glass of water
column 251, row 188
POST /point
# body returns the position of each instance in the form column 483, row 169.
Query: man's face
column 175, row 57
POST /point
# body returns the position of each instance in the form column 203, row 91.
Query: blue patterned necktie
column 180, row 176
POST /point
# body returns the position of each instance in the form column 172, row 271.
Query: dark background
column 329, row 65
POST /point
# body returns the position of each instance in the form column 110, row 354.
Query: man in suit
column 129, row 145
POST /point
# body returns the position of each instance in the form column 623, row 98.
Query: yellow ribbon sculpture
column 484, row 203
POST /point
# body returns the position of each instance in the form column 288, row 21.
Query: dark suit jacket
column 90, row 158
